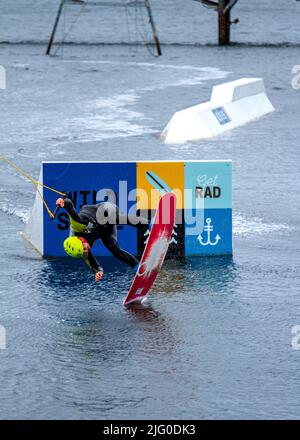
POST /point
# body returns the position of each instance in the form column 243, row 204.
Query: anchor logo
column 209, row 228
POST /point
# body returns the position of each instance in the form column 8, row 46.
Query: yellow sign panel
column 153, row 177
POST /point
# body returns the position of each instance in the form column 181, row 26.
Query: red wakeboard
column 155, row 251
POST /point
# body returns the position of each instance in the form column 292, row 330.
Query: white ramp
column 232, row 104
column 34, row 230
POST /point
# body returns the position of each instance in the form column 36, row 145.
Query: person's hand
column 99, row 276
column 60, row 202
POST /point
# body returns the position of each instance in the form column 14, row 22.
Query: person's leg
column 109, row 239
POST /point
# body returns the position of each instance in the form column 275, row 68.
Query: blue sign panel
column 208, row 232
column 208, row 185
column 205, row 206
column 221, row 115
column 86, row 184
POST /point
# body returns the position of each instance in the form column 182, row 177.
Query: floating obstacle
column 204, row 203
column 232, row 104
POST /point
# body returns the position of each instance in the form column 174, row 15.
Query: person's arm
column 69, row 207
column 94, row 265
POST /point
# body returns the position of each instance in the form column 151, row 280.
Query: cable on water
column 150, row 45
column 138, row 18
column 66, row 34
column 128, row 17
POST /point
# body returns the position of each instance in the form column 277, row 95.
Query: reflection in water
column 97, row 349
column 143, row 312
column 65, row 278
column 92, row 324
column 215, row 273
column 155, row 331
column 197, row 274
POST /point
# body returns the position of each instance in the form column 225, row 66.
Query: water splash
column 245, row 227
column 11, row 210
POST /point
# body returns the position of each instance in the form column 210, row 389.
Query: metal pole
column 230, row 5
column 55, row 27
column 154, row 31
column 224, row 22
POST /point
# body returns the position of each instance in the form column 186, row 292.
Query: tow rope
column 36, row 184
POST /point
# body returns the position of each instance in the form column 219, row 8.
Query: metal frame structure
column 62, row 4
column 224, row 8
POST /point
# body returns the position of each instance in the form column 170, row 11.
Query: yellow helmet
column 73, row 246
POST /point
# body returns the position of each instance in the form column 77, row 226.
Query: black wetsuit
column 92, row 231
